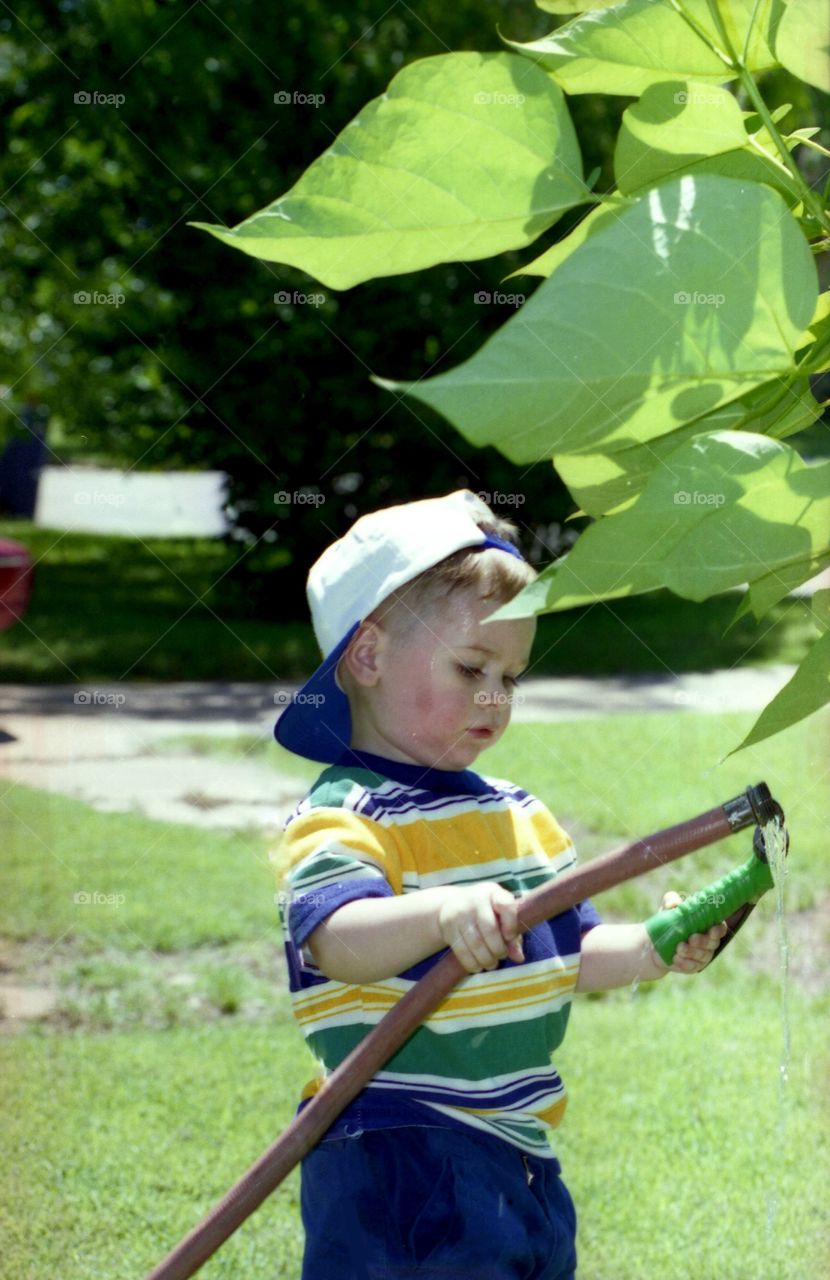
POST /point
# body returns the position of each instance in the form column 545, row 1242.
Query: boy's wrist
column 653, row 960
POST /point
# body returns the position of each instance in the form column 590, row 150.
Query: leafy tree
column 667, row 355
column 126, row 120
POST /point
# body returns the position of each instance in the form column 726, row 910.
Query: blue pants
column 432, row 1203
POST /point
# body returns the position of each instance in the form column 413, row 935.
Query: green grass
column 626, row 776
column 143, row 885
column 676, row 1146
column 243, row 746
column 172, row 1060
column 684, row 1155
column 116, row 1145
column 151, row 608
column 172, row 611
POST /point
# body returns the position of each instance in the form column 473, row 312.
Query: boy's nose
column 493, row 696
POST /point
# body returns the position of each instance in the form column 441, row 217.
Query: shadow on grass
column 167, row 609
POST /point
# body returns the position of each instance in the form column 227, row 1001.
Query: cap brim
column 317, row 722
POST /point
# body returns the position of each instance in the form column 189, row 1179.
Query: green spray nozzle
column 718, row 901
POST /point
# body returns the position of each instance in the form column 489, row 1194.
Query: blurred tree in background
column 150, row 345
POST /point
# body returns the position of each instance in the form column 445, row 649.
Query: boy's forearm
column 374, row 938
column 614, row 955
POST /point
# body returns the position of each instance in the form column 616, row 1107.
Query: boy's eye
column 475, row 672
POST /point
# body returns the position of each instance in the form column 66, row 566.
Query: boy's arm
column 614, row 955
column 374, row 938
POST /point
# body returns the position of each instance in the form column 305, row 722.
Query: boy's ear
column 364, row 656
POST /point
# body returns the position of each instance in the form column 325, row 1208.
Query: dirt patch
column 19, row 1005
column 66, row 986
column 70, row 987
column 808, row 946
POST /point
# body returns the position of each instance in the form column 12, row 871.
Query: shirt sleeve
column 588, row 915
column 329, row 857
column 307, row 910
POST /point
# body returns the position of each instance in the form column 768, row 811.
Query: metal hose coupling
column 755, row 805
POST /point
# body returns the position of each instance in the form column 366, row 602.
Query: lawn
column 681, row 1154
column 170, row 1060
column 117, row 1144
column 613, row 779
column 174, row 612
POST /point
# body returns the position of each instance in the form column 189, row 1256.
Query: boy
column 442, row 1166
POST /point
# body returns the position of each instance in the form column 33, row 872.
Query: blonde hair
column 490, row 572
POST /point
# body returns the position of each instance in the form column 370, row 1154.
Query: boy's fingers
column 696, row 952
column 469, row 950
column 474, row 949
column 466, row 958
column 513, row 939
column 507, row 912
column 490, row 929
column 708, row 941
column 515, row 951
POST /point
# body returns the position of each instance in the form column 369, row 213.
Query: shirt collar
column 444, row 781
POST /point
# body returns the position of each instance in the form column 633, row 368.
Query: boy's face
column 443, row 692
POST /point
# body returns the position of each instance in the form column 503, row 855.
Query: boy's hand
column 695, row 953
column 480, row 924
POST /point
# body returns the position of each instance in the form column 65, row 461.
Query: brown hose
column 306, row 1129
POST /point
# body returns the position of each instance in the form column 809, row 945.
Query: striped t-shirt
column 371, row 827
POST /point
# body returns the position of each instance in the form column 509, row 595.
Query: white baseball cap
column 381, row 552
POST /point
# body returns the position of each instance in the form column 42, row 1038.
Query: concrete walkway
column 104, row 744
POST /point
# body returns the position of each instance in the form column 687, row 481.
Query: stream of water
column 775, row 843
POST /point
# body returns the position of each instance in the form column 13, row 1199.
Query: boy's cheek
column 424, row 702
column 431, row 704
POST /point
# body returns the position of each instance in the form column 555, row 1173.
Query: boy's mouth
column 482, row 732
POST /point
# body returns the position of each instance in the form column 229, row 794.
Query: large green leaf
column 821, row 608
column 804, row 693
column 818, row 359
column 673, row 122
column 802, row 41
column 625, row 48
column 726, row 507
column 650, row 149
column 465, row 155
column 600, row 482
column 766, row 591
column 698, row 291
column 778, row 409
column 688, row 127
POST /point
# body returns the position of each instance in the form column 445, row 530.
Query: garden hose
column 339, row 1088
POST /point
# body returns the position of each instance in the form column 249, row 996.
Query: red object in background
column 16, row 577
